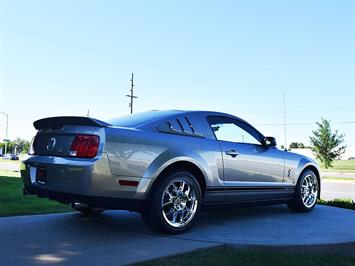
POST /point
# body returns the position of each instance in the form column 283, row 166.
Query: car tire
column 174, row 203
column 306, row 194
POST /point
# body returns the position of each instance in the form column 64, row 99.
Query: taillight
column 84, row 146
column 33, row 146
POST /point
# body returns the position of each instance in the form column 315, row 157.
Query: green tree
column 2, row 146
column 326, row 144
column 19, row 145
column 297, row 145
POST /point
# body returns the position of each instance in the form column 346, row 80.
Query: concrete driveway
column 120, row 237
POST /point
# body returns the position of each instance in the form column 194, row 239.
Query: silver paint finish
column 255, row 164
column 142, row 153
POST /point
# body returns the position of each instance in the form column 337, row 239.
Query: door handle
column 232, row 153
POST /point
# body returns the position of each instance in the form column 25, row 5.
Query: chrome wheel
column 179, row 203
column 309, row 190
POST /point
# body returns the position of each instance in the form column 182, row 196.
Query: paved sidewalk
column 338, row 174
column 338, row 189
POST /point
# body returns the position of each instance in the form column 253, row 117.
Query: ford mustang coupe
column 165, row 165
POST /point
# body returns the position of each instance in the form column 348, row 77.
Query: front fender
column 305, row 163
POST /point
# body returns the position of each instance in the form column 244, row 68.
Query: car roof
column 166, row 113
column 154, row 118
column 139, row 119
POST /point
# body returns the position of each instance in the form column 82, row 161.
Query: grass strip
column 250, row 256
column 13, row 202
column 341, row 203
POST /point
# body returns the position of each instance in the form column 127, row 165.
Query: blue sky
column 65, row 57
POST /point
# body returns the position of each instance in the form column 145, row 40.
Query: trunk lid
column 55, row 135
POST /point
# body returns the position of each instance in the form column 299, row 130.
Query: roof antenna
column 285, row 120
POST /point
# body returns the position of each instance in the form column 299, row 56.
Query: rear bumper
column 90, row 178
column 91, row 201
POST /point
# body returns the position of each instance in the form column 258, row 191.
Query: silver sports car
column 165, row 165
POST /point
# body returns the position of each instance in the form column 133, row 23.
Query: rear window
column 140, row 119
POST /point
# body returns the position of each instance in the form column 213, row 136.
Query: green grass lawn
column 231, row 256
column 7, row 161
column 341, row 165
column 340, row 203
column 13, row 202
column 339, row 178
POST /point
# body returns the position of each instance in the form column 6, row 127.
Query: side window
column 228, row 131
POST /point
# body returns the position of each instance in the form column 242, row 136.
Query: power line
column 303, row 124
column 305, row 110
column 321, row 110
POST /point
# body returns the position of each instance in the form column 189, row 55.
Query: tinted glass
column 233, row 133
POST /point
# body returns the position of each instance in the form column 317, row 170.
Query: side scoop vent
column 176, row 127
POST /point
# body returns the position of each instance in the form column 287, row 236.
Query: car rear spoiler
column 60, row 121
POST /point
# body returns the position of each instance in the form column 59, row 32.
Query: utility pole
column 131, row 95
column 7, row 129
column 285, row 120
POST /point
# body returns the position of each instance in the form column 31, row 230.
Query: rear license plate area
column 41, row 175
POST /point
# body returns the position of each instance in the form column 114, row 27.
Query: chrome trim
column 309, row 190
column 179, row 203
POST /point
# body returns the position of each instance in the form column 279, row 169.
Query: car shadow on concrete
column 272, row 225
column 121, row 237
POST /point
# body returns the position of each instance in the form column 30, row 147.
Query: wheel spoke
column 187, row 192
column 188, row 214
column 175, row 214
column 308, row 199
column 182, row 216
column 170, row 196
column 175, row 188
column 167, row 203
column 307, row 181
column 309, row 190
column 170, row 212
column 311, row 199
column 182, row 186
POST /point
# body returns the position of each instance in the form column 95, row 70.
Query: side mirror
column 269, row 142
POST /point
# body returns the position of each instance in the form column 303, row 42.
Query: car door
column 248, row 165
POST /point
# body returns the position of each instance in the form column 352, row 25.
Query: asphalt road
column 9, row 166
column 120, row 237
column 340, row 189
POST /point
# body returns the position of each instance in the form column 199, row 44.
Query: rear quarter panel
column 137, row 153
